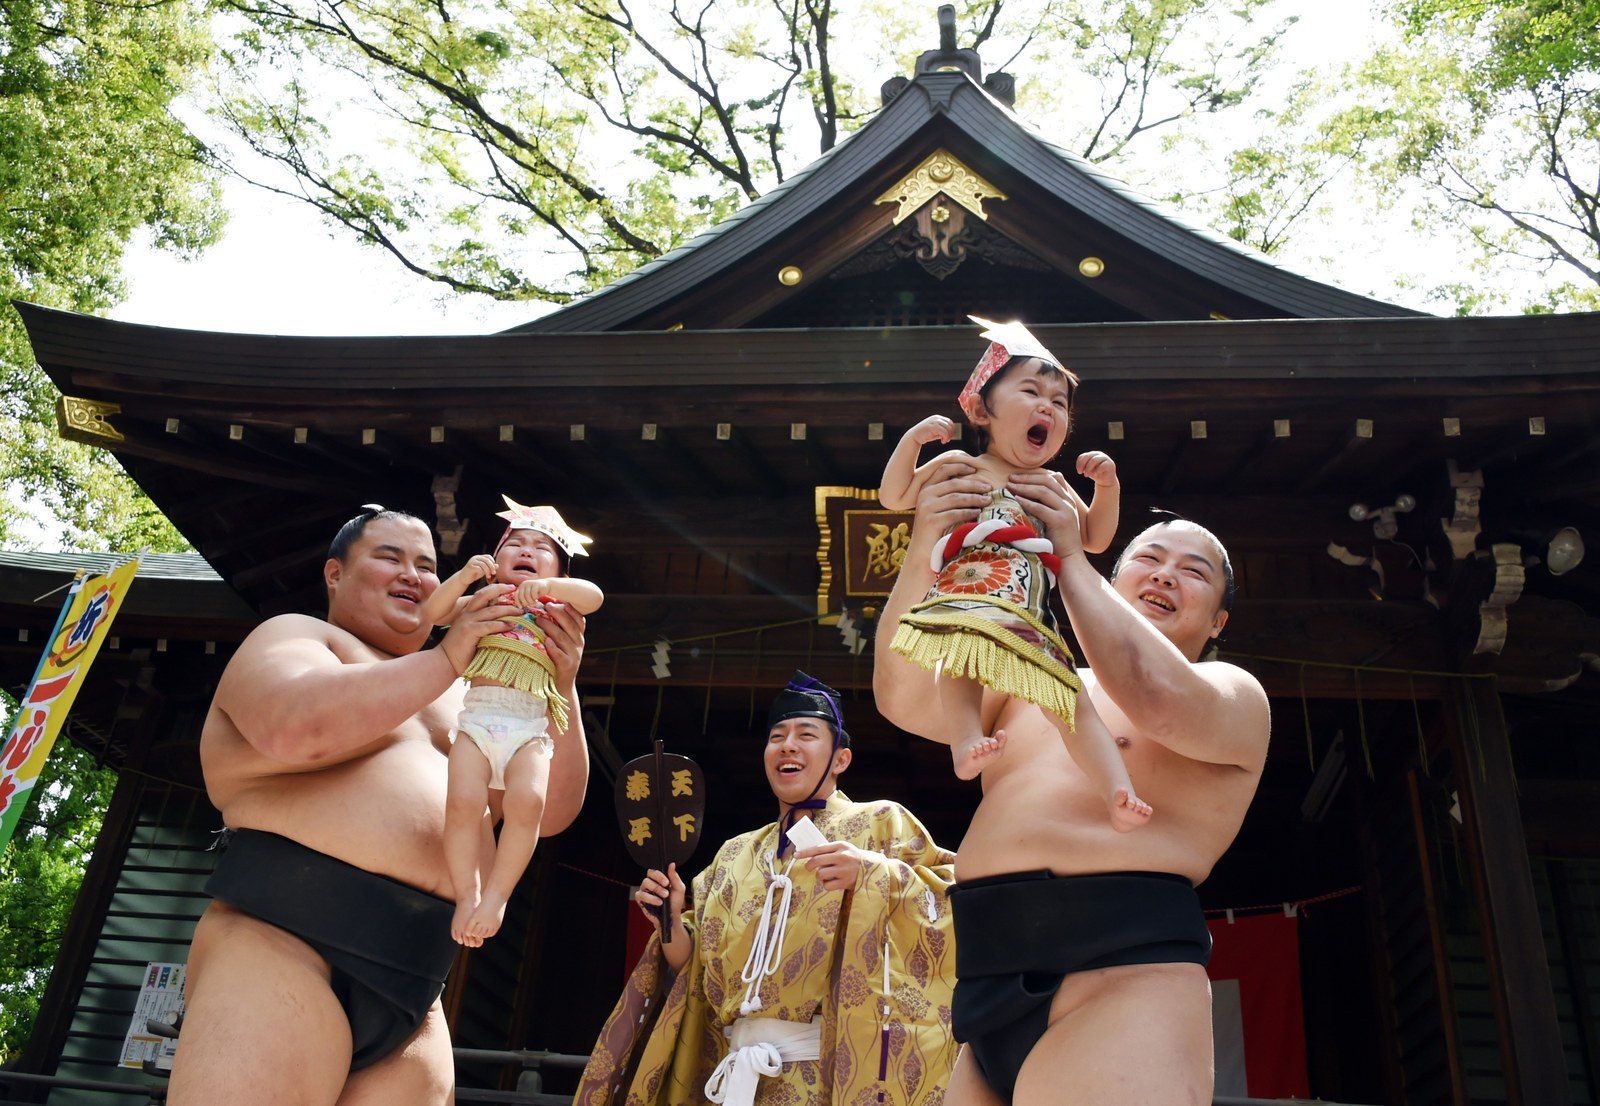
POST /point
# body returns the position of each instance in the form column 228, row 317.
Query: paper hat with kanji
column 1006, row 340
column 546, row 520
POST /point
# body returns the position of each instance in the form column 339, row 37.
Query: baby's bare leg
column 463, row 826
column 527, row 781
column 1096, row 753
column 970, row 748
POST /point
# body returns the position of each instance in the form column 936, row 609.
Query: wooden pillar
column 1519, row 971
column 1449, row 1027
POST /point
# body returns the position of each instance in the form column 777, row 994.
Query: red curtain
column 1255, row 973
column 639, row 931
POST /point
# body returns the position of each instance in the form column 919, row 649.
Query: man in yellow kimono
column 806, row 976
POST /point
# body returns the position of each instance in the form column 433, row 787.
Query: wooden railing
column 529, row 1091
column 530, row 1078
column 153, row 1093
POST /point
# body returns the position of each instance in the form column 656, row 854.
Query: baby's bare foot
column 485, row 921
column 1128, row 811
column 460, row 921
column 973, row 755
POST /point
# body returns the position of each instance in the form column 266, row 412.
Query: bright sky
column 281, row 270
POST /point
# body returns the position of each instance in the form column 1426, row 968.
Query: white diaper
column 501, row 720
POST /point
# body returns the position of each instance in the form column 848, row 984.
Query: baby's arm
column 439, row 607
column 580, row 595
column 899, row 486
column 1100, row 520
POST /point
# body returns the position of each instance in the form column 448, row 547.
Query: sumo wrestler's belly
column 383, row 812
column 1039, row 811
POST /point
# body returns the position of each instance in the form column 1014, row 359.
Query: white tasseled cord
column 980, row 532
column 766, row 951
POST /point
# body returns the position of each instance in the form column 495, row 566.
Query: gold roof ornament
column 940, row 172
column 86, row 420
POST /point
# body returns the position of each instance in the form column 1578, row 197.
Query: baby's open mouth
column 1038, row 433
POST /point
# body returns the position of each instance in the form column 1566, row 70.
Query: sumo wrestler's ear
column 332, row 568
column 1218, row 622
column 841, row 760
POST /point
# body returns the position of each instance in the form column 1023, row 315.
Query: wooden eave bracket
column 87, row 421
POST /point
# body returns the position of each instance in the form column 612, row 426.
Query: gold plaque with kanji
column 861, row 547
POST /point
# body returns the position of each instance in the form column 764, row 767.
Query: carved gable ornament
column 941, row 172
column 87, row 420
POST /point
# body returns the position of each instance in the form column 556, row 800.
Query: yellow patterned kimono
column 660, row 1046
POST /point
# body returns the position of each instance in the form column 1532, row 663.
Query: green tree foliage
column 1511, row 151
column 90, row 153
column 1150, row 66
column 1287, row 176
column 1527, row 44
column 538, row 150
column 40, row 871
column 1482, row 121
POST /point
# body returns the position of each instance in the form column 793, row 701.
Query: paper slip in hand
column 805, row 835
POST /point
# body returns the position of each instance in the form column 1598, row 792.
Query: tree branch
column 468, row 102
column 1527, row 222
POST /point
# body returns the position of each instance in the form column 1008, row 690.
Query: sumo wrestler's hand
column 953, row 494
column 564, row 630
column 484, row 613
column 1048, row 497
